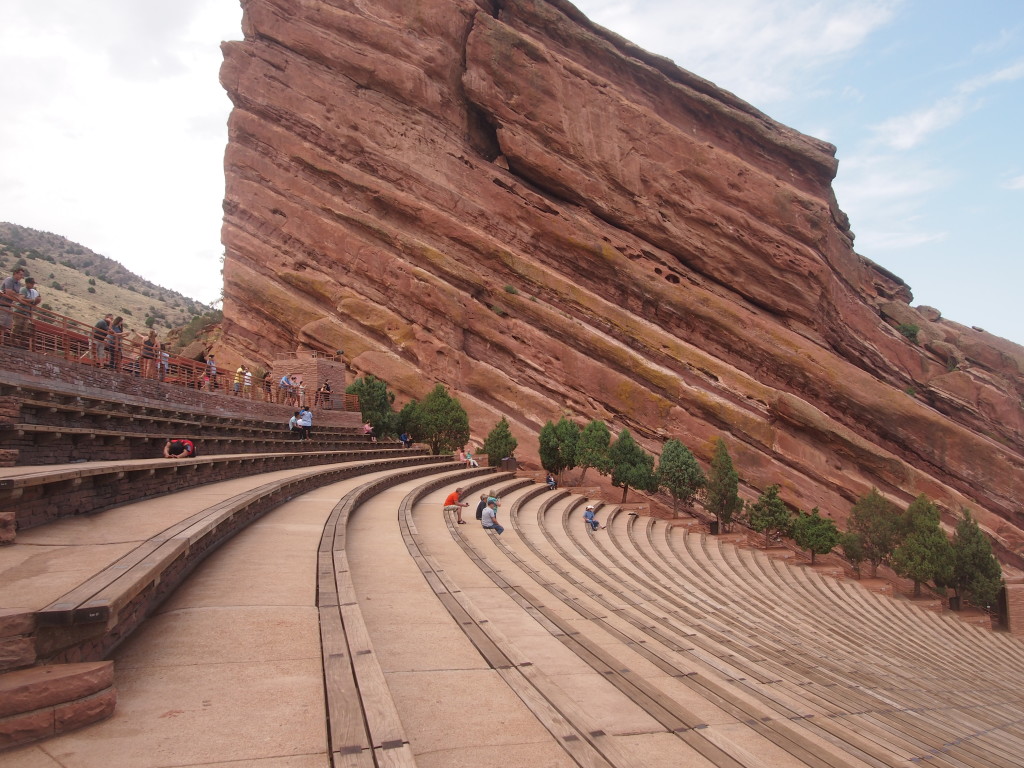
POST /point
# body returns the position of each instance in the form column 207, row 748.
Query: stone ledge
column 40, row 702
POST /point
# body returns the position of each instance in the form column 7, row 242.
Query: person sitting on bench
column 179, row 448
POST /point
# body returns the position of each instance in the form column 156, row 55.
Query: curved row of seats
column 645, row 644
column 809, row 670
column 101, row 542
column 50, row 423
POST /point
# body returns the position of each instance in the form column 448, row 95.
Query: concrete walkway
column 456, row 709
column 228, row 672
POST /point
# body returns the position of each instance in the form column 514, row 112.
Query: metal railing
column 48, row 333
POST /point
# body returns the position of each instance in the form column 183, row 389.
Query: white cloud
column 763, row 50
column 1007, row 74
column 889, row 193
column 909, row 130
column 121, row 116
column 1015, row 183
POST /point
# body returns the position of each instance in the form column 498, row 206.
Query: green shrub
column 511, row 289
column 909, row 330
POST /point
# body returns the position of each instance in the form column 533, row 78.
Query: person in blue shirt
column 589, row 516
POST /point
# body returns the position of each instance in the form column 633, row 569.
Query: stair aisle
column 455, row 707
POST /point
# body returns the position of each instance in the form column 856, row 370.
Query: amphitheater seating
column 37, row 495
column 47, row 423
column 648, row 643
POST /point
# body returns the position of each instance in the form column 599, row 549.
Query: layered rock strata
column 503, row 197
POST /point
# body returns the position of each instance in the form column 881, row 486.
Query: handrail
column 47, row 332
column 50, row 333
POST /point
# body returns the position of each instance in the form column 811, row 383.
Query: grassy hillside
column 84, row 285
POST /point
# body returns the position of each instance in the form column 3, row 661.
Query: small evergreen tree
column 876, row 520
column 815, row 533
column 722, row 497
column 406, row 417
column 592, row 448
column 853, row 549
column 440, row 421
column 375, row 401
column 567, row 434
column 549, row 454
column 632, row 466
column 558, row 445
column 769, row 514
column 679, row 474
column 499, row 443
column 925, row 553
column 977, row 574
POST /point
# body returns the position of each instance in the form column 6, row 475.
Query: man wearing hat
column 588, row 515
column 23, row 328
column 10, row 296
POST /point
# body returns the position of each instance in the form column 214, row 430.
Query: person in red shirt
column 453, row 504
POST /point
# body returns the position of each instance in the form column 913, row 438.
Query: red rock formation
column 506, row 198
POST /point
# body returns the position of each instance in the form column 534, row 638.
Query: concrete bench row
column 371, row 733
column 752, row 629
column 32, row 496
column 47, row 444
column 52, row 425
column 73, row 633
column 782, row 701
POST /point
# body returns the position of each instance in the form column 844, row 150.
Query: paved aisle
column 46, row 562
column 456, row 710
column 228, row 673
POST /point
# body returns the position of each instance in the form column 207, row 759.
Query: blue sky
column 114, row 125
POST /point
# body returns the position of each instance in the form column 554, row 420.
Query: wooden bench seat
column 105, row 441
column 370, row 733
column 97, row 614
column 40, row 494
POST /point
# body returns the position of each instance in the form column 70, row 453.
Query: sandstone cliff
column 501, row 196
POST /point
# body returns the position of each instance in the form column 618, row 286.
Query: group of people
column 291, row 391
column 143, row 356
column 487, row 511
column 18, row 301
column 242, row 385
column 467, row 458
column 301, row 423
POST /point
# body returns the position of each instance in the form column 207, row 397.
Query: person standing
column 236, row 387
column 98, row 341
column 164, row 366
column 247, row 383
column 305, row 422
column 23, row 327
column 211, row 371
column 284, row 390
column 150, row 349
column 10, row 297
column 454, row 504
column 489, row 519
column 114, row 350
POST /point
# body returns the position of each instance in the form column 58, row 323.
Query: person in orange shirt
column 454, row 504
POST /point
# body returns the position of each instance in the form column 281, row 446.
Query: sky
column 114, row 125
